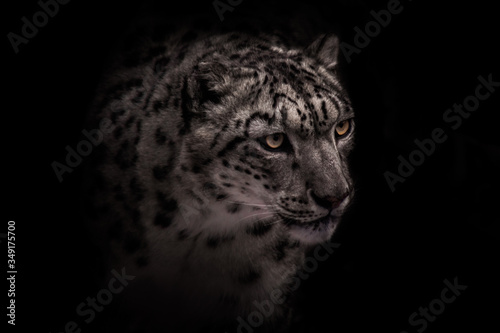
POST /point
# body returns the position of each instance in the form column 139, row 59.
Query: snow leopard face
column 268, row 129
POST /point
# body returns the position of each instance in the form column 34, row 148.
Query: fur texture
column 185, row 193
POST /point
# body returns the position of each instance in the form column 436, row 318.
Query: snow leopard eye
column 275, row 140
column 343, row 127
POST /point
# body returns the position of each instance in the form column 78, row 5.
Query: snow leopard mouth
column 314, row 225
column 312, row 232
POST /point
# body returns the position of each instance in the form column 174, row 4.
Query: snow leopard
column 227, row 160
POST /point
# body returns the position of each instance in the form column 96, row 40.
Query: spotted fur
column 184, row 193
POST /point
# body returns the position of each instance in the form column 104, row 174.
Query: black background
column 396, row 247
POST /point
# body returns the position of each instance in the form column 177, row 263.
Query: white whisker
column 276, row 222
column 248, row 204
column 256, row 214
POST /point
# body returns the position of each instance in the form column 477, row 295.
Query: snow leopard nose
column 329, row 202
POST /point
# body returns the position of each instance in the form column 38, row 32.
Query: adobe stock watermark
column 453, row 117
column 74, row 157
column 265, row 308
column 362, row 38
column 88, row 309
column 425, row 315
column 221, row 7
column 29, row 29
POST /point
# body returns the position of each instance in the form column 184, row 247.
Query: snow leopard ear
column 325, row 49
column 210, row 81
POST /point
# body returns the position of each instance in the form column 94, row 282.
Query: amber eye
column 275, row 140
column 342, row 127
